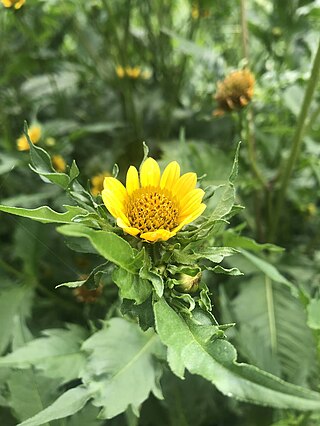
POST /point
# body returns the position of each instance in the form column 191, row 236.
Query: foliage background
column 59, row 69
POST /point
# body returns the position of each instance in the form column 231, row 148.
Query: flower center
column 150, row 208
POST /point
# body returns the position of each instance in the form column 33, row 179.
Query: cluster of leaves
column 65, row 362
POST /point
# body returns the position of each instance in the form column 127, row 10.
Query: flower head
column 34, row 134
column 59, row 163
column 152, row 206
column 16, row 4
column 235, row 91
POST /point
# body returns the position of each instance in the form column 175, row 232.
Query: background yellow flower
column 59, row 163
column 34, row 134
column 13, row 3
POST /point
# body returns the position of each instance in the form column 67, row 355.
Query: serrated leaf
column 272, row 332
column 216, row 362
column 120, row 371
column 214, row 254
column 66, row 405
column 11, row 300
column 132, row 286
column 45, row 214
column 223, row 200
column 109, row 245
column 57, row 354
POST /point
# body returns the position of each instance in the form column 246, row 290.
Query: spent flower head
column 235, row 91
column 154, row 206
column 34, row 134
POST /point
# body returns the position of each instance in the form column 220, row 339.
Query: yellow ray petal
column 128, row 229
column 132, row 181
column 170, row 175
column 193, row 216
column 184, row 184
column 158, row 235
column 150, row 173
column 191, row 201
column 115, row 186
column 112, row 202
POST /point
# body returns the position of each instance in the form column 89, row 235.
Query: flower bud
column 189, row 283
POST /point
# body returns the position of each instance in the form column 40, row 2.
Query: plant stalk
column 297, row 140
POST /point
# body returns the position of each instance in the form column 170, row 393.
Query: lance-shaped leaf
column 121, row 370
column 108, row 244
column 66, row 405
column 189, row 347
column 58, row 354
column 45, row 214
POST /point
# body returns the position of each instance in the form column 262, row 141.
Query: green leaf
column 272, row 332
column 313, row 310
column 147, row 273
column 121, row 371
column 221, row 270
column 269, row 270
column 222, row 200
column 109, row 245
column 189, row 347
column 41, row 164
column 11, row 301
column 30, row 392
column 66, row 405
column 45, row 214
column 58, row 354
column 235, row 165
column 214, row 254
column 238, row 241
column 132, row 286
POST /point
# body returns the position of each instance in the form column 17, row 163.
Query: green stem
column 297, row 140
column 244, row 31
column 249, row 113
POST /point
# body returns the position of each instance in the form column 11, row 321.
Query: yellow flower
column 132, row 72
column 152, row 206
column 58, row 163
column 235, row 91
column 13, row 3
column 120, row 71
column 97, row 183
column 34, row 134
column 197, row 12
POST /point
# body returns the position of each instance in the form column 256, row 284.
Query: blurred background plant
column 95, row 79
